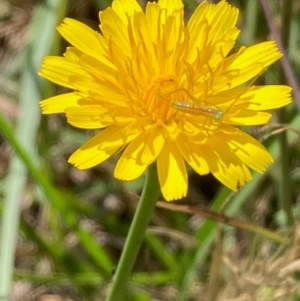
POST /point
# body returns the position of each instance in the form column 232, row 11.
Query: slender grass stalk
column 165, row 256
column 225, row 219
column 42, row 33
column 285, row 188
column 91, row 278
column 214, row 284
column 285, row 184
column 286, row 66
column 136, row 233
column 252, row 21
column 285, row 180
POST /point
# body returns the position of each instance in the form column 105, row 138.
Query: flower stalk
column 136, row 233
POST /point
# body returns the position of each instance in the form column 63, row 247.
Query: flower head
column 165, row 91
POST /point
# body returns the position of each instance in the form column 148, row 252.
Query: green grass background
column 62, row 230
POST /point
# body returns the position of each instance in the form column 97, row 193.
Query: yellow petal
column 248, row 63
column 154, row 143
column 247, row 118
column 249, row 150
column 193, row 154
column 225, row 165
column 269, row 97
column 212, row 29
column 112, row 26
column 263, row 54
column 258, row 98
column 139, row 154
column 146, row 147
column 82, row 37
column 59, row 70
column 152, row 16
column 116, row 136
column 103, row 145
column 89, row 117
column 100, row 69
column 73, row 54
column 125, row 9
column 172, row 173
column 166, row 30
column 142, row 34
column 58, row 104
column 98, row 90
column 128, row 167
column 223, row 19
column 89, row 154
column 171, row 47
column 170, row 6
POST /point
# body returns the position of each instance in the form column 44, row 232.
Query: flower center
column 173, row 107
column 159, row 97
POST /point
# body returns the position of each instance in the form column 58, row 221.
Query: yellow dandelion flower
column 165, row 91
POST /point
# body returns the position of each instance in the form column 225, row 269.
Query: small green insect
column 206, row 109
column 195, row 109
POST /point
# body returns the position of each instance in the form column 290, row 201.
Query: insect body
column 195, row 109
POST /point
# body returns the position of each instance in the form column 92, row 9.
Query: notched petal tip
column 82, row 37
column 59, row 103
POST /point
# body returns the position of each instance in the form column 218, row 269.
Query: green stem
column 136, row 234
